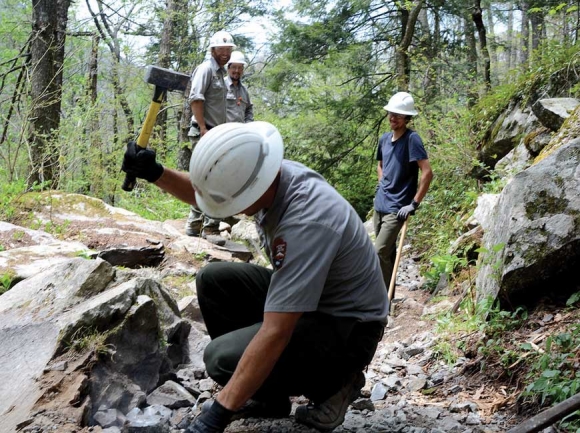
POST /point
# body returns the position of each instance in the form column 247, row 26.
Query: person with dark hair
column 401, row 155
column 207, row 98
column 238, row 105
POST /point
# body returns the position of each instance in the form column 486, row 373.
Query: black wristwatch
column 415, row 204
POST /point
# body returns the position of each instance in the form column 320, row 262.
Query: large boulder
column 506, row 133
column 532, row 240
column 521, row 131
column 84, row 335
column 553, row 111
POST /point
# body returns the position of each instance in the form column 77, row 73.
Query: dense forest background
column 72, row 89
column 72, row 93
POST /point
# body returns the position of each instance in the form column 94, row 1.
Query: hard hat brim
column 224, row 45
column 273, row 155
column 399, row 111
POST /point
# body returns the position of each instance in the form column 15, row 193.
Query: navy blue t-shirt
column 400, row 170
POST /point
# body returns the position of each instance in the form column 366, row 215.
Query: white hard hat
column 233, row 165
column 401, row 103
column 222, row 39
column 237, row 57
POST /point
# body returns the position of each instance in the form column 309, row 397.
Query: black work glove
column 214, row 420
column 405, row 211
column 140, row 162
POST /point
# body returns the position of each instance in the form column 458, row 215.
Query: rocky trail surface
column 408, row 388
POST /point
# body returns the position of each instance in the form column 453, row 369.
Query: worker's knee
column 385, row 252
column 222, row 354
column 221, row 360
column 206, row 278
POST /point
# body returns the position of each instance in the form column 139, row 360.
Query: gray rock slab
column 171, row 395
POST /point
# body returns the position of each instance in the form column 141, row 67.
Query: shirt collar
column 215, row 66
column 230, row 83
column 274, row 213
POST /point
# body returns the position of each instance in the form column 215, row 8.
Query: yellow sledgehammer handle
column 148, row 125
column 146, row 129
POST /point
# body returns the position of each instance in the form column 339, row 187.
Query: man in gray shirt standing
column 207, row 98
column 238, row 105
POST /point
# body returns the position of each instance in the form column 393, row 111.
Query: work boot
column 278, row 407
column 330, row 414
column 192, row 229
column 210, row 231
column 193, row 224
column 212, row 234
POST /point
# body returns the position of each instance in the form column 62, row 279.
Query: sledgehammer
column 165, row 80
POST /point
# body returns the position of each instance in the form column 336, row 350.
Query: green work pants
column 387, row 229
column 322, row 351
column 196, row 219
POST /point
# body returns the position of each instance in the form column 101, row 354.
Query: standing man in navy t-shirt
column 400, row 155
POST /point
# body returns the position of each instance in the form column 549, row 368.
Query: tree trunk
column 472, row 93
column 94, row 141
column 476, row 15
column 10, row 157
column 577, row 24
column 49, row 20
column 165, row 50
column 537, row 24
column 430, row 43
column 109, row 33
column 511, row 47
column 182, row 30
column 92, row 86
column 566, row 30
column 492, row 46
column 402, row 61
column 525, row 31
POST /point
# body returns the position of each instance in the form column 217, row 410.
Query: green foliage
column 57, row 229
column 452, row 328
column 501, row 321
column 83, row 255
column 453, row 192
column 9, row 194
column 89, row 339
column 554, row 374
column 329, row 120
column 496, row 345
column 150, row 202
column 446, row 351
column 202, row 255
column 14, row 53
column 6, row 280
column 442, row 265
column 493, row 326
column 492, row 258
column 573, row 299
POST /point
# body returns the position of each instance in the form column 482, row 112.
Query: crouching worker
column 308, row 326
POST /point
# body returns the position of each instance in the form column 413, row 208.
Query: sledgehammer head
column 166, row 78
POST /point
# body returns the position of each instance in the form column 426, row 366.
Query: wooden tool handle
column 397, row 260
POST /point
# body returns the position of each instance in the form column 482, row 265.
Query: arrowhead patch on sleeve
column 279, row 252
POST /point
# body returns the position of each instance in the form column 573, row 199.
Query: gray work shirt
column 322, row 256
column 238, row 105
column 208, row 85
